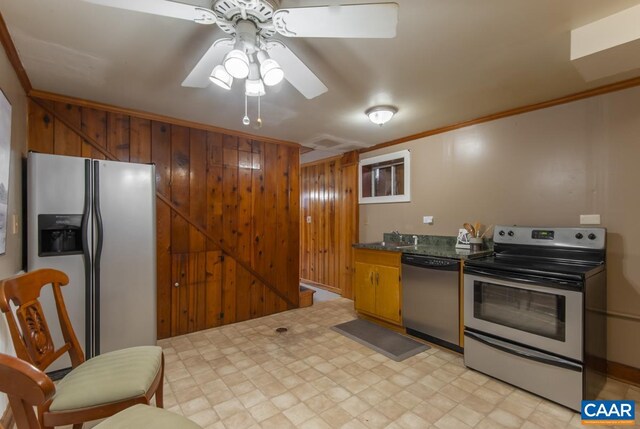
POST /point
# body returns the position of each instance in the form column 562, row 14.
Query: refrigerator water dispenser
column 59, row 235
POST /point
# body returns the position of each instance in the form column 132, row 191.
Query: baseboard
column 6, row 422
column 622, row 372
column 322, row 286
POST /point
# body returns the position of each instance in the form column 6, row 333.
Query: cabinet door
column 387, row 304
column 365, row 292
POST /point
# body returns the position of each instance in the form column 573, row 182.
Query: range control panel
column 587, row 238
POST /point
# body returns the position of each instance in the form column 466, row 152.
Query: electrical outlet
column 427, row 220
column 308, row 219
column 592, row 219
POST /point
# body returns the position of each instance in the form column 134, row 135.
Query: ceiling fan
column 251, row 53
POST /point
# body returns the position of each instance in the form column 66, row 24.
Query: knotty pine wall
column 242, row 192
column 329, row 193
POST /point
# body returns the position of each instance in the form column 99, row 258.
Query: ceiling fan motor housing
column 260, row 12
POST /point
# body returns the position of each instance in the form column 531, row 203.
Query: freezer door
column 56, row 186
column 125, row 255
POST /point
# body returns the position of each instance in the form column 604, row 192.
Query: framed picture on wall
column 5, row 162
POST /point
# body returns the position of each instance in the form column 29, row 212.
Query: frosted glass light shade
column 380, row 115
column 236, row 63
column 271, row 72
column 220, row 77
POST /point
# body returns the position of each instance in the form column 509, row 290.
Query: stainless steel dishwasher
column 430, row 302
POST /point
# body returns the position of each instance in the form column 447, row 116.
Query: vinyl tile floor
column 246, row 375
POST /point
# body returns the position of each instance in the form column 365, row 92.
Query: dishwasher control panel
column 429, row 261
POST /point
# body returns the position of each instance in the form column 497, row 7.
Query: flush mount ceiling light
column 380, row 115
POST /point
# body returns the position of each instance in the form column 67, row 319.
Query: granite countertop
column 430, row 245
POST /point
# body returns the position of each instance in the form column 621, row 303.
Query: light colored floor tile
column 246, row 376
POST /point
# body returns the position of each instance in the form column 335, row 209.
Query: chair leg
column 160, row 389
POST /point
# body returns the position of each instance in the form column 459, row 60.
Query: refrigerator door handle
column 98, row 253
column 86, row 213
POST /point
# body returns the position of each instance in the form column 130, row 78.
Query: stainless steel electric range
column 534, row 312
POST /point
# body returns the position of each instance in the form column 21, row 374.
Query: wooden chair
column 95, row 389
column 27, row 386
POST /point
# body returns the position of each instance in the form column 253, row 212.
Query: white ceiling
column 452, row 60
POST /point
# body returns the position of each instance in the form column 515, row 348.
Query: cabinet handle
column 378, row 278
column 371, row 278
column 176, row 284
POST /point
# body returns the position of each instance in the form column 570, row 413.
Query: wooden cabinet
column 377, row 284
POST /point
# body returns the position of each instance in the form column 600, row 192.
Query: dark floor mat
column 384, row 341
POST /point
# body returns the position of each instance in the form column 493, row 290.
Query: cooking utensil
column 470, row 229
column 476, row 227
column 489, row 228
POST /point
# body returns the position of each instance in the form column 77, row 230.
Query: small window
column 385, row 178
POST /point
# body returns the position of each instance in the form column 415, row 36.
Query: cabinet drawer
column 378, row 257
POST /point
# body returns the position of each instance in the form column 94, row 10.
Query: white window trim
column 406, row 197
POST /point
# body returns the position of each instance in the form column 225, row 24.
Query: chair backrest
column 26, row 386
column 32, row 341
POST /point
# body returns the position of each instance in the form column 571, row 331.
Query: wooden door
column 196, row 299
column 365, row 291
column 387, row 281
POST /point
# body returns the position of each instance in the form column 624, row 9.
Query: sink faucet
column 415, row 240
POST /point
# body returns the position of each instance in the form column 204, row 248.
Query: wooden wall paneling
column 282, row 220
column 161, row 156
column 313, row 251
column 197, row 188
column 348, row 226
column 230, row 192
column 66, row 142
column 179, row 293
column 228, row 290
column 232, row 187
column 213, row 294
column 118, row 135
column 197, row 291
column 140, row 140
column 94, row 123
column 270, row 220
column 244, row 251
column 294, row 224
column 180, row 164
column 258, row 259
column 214, row 188
column 40, row 129
column 328, row 190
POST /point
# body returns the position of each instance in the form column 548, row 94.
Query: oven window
column 526, row 310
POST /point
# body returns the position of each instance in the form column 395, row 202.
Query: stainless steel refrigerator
column 96, row 221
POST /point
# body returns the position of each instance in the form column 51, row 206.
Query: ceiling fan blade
column 199, row 76
column 352, row 21
column 295, row 71
column 163, row 7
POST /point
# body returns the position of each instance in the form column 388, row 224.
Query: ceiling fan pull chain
column 259, row 120
column 245, row 120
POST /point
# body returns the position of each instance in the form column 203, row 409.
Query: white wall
column 11, row 261
column 542, row 168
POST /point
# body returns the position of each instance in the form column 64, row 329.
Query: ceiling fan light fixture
column 380, row 115
column 220, row 77
column 271, row 72
column 236, row 62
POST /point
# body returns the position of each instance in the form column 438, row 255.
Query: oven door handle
column 536, row 280
column 517, row 351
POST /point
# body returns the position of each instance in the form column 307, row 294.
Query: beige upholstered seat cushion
column 108, row 378
column 145, row 416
